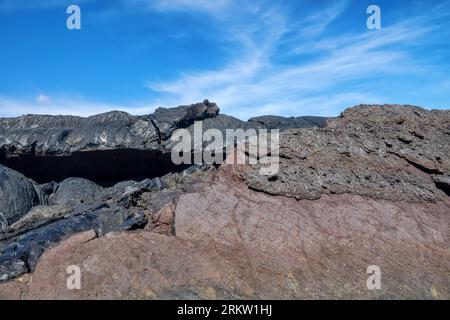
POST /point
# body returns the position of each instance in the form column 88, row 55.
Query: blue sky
column 290, row 58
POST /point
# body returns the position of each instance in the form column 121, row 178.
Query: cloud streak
column 207, row 6
column 278, row 62
column 253, row 83
column 318, row 22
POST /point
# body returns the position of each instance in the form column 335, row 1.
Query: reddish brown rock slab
column 163, row 221
column 231, row 242
column 139, row 265
column 326, row 245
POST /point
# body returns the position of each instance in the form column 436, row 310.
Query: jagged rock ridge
column 387, row 152
column 100, row 148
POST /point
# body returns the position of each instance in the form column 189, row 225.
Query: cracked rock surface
column 229, row 242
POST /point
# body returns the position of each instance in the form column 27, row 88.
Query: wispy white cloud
column 253, row 83
column 207, row 6
column 42, row 98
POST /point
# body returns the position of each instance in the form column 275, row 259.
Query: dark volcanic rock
column 101, row 147
column 21, row 254
column 38, row 216
column 442, row 183
column 283, row 123
column 79, row 205
column 221, row 123
column 76, row 190
column 49, row 188
column 168, row 120
column 17, row 195
column 3, row 223
column 64, row 135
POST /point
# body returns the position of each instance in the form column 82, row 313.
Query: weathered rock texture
column 17, row 195
column 385, row 152
column 371, row 188
column 64, row 135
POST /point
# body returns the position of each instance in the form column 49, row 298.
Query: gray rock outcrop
column 17, row 195
column 386, row 152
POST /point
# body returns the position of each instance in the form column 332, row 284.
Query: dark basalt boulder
column 222, row 123
column 75, row 191
column 17, row 195
column 78, row 205
column 62, row 135
column 169, row 119
column 20, row 255
column 284, row 123
column 49, row 187
column 3, row 223
column 443, row 183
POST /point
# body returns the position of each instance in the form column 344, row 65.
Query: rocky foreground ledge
column 370, row 187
